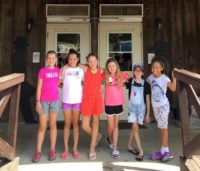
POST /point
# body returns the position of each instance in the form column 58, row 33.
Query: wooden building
column 130, row 30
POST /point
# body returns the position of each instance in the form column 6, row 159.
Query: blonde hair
column 118, row 72
column 48, row 53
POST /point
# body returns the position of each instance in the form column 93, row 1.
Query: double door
column 123, row 41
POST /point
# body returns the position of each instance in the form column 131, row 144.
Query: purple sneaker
column 156, row 155
column 167, row 156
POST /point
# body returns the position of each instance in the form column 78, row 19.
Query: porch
column 150, row 137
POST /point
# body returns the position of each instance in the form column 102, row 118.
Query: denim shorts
column 67, row 106
column 49, row 107
column 137, row 114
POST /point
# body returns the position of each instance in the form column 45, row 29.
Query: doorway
column 123, row 41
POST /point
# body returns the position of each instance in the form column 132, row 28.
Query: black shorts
column 111, row 110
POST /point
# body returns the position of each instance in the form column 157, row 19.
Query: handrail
column 187, row 96
column 10, row 86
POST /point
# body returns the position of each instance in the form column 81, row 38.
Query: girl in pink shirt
column 47, row 104
column 114, row 100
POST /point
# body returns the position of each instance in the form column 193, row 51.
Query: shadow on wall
column 18, row 65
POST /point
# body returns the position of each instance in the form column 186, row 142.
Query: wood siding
column 180, row 30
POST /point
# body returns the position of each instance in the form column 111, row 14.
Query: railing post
column 13, row 116
column 184, row 115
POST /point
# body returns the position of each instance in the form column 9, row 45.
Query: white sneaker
column 109, row 143
column 115, row 154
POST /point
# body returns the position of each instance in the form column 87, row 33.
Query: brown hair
column 90, row 55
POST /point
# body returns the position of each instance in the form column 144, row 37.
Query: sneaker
column 115, row 154
column 167, row 156
column 52, row 155
column 36, row 156
column 156, row 155
column 109, row 143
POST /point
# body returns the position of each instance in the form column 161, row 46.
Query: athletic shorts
column 161, row 114
column 92, row 105
column 49, row 107
column 113, row 110
column 67, row 106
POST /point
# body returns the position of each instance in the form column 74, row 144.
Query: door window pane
column 120, row 48
column 65, row 42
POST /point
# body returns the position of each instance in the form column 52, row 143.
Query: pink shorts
column 67, row 106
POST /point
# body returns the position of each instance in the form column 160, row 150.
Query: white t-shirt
column 72, row 85
column 158, row 89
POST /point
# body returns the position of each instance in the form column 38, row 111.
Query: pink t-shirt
column 114, row 94
column 50, row 81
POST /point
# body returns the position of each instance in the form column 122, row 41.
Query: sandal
column 133, row 151
column 76, row 155
column 139, row 157
column 64, row 155
column 92, row 156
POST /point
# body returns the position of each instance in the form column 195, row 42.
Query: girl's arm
column 83, row 67
column 147, row 118
column 172, row 84
column 38, row 94
column 61, row 75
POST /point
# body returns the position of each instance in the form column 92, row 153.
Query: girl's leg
column 110, row 128
column 86, row 125
column 130, row 140
column 53, row 129
column 115, row 131
column 164, row 137
column 94, row 133
column 75, row 120
column 137, row 138
column 43, row 120
column 67, row 125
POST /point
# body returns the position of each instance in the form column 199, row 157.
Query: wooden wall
column 180, row 30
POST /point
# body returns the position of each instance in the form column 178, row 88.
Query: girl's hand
column 38, row 106
column 147, row 118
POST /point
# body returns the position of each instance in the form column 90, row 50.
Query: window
column 120, row 48
column 65, row 42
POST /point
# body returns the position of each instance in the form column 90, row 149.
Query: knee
column 53, row 126
column 85, row 126
column 135, row 128
column 67, row 125
column 116, row 126
column 42, row 128
column 75, row 124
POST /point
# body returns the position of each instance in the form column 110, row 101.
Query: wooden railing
column 10, row 86
column 187, row 81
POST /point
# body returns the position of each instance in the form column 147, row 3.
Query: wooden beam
column 3, row 103
column 194, row 99
column 184, row 115
column 13, row 117
column 10, row 80
column 187, row 77
column 6, row 150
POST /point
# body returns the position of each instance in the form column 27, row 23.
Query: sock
column 164, row 149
